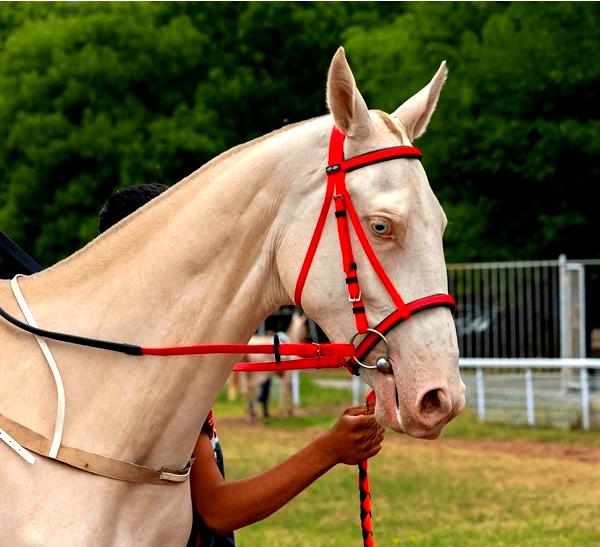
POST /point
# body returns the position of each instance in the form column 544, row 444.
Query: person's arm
column 226, row 506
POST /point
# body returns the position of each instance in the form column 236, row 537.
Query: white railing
column 528, row 366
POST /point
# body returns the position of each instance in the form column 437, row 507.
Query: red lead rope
column 364, row 489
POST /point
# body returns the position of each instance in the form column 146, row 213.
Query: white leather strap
column 23, row 452
column 60, row 390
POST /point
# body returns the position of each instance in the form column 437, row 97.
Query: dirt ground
column 518, row 447
column 547, row 450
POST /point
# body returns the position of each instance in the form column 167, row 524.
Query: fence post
column 585, row 398
column 295, row 388
column 355, row 390
column 564, row 309
column 529, row 396
column 480, row 394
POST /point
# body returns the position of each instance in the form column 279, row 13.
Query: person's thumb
column 354, row 411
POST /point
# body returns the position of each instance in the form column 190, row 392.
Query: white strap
column 23, row 452
column 60, row 390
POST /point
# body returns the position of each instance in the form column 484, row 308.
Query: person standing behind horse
column 257, row 385
column 220, row 507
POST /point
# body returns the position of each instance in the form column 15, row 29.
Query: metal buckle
column 354, row 300
column 318, row 349
column 176, row 475
column 382, row 362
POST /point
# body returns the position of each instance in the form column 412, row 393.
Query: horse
column 207, row 261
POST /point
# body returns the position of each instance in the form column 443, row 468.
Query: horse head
column 403, row 224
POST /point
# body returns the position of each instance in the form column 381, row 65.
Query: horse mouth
column 391, row 416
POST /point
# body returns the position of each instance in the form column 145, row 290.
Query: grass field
column 481, row 484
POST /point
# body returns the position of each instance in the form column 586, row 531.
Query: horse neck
column 194, row 265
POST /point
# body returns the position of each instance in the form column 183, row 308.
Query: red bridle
column 336, row 191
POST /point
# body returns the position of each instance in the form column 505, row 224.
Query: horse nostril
column 434, row 406
column 430, row 401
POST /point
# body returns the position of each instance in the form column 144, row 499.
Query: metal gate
column 524, row 332
column 507, row 309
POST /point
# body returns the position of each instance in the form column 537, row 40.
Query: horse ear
column 415, row 113
column 349, row 110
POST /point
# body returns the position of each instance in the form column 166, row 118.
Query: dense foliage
column 99, row 96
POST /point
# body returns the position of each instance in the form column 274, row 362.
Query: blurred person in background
column 257, row 385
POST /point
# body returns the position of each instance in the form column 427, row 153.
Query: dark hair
column 124, row 202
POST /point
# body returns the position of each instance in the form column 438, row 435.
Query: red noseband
column 337, row 192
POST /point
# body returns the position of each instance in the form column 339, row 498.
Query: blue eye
column 381, row 227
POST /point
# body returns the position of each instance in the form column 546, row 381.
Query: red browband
column 376, row 156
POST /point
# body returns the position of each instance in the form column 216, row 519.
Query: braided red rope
column 364, row 488
column 366, row 522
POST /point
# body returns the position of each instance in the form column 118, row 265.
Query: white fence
column 507, row 309
column 532, row 391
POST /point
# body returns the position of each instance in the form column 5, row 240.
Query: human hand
column 356, row 436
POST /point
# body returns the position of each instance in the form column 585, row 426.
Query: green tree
column 95, row 96
column 90, row 102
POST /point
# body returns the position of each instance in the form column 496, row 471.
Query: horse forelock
column 394, row 126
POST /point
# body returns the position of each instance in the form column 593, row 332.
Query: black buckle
column 276, row 349
column 333, row 168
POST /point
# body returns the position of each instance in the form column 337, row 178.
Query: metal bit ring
column 383, row 362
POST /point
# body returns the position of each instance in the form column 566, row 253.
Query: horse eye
column 381, row 227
